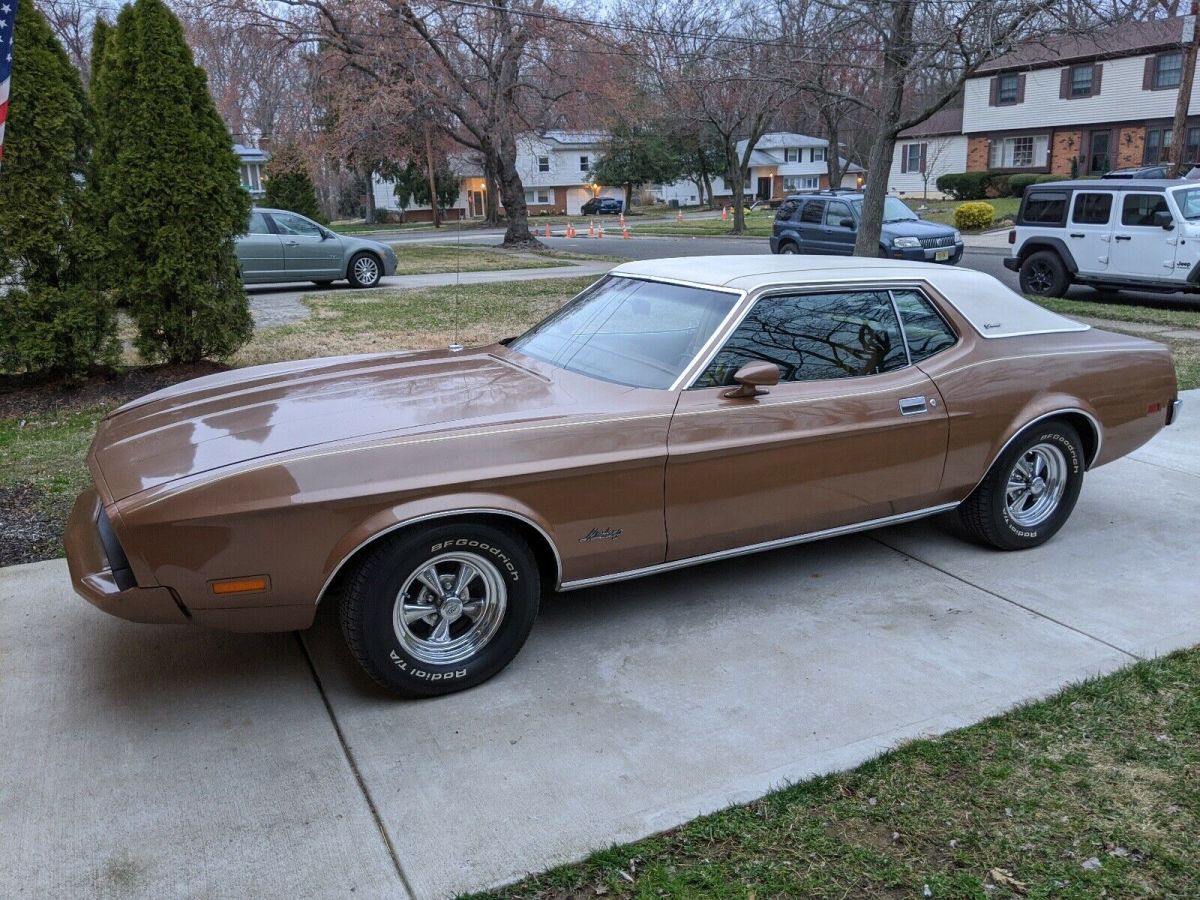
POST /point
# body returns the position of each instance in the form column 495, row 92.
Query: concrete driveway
column 158, row 761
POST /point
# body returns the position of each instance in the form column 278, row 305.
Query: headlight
column 957, row 238
column 901, row 242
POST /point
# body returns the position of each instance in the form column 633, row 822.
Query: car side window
column 1140, row 209
column 835, row 212
column 813, row 211
column 1045, row 208
column 925, row 330
column 290, row 224
column 1092, row 209
column 813, row 337
column 786, row 209
column 258, row 224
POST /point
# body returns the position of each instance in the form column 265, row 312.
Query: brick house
column 1080, row 105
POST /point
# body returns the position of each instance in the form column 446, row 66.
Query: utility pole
column 1191, row 43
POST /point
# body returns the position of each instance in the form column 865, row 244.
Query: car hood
column 245, row 414
column 918, row 228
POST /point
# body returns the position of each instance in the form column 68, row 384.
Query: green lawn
column 758, row 224
column 1094, row 793
column 428, row 259
column 942, row 211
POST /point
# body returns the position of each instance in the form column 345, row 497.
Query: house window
column 791, row 154
column 1168, row 69
column 801, row 182
column 818, row 154
column 1081, row 80
column 1158, row 146
column 1022, row 152
column 539, row 197
column 584, row 164
column 543, row 164
column 912, row 158
column 1007, row 89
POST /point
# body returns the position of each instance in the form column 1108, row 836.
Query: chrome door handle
column 912, row 406
column 291, row 243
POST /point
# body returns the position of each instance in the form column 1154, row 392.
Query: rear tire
column 441, row 609
column 1029, row 492
column 788, row 249
column 1044, row 275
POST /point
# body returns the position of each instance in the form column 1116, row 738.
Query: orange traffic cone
column 622, row 220
column 679, row 216
column 570, row 230
column 600, row 232
column 591, row 229
column 625, row 232
column 547, row 231
column 724, row 213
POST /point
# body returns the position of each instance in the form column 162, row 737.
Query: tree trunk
column 832, row 156
column 707, row 186
column 628, row 197
column 897, row 53
column 369, row 198
column 491, row 193
column 433, row 196
column 517, row 235
column 737, row 185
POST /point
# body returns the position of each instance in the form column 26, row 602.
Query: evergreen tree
column 52, row 320
column 167, row 191
column 289, row 185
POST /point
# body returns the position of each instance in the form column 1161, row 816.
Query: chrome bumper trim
column 1173, row 411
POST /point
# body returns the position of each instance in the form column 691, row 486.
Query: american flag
column 8, row 13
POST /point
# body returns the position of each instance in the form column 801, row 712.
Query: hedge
column 1018, row 183
column 986, row 185
column 974, row 216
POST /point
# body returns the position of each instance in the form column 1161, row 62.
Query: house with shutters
column 1080, row 105
column 935, row 147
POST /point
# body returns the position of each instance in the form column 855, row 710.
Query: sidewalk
column 164, row 761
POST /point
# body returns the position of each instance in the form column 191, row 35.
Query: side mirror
column 751, row 377
column 1164, row 220
column 847, row 223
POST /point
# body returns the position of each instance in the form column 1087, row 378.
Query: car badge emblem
column 601, row 534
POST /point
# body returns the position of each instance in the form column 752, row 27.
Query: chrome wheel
column 449, row 608
column 366, row 271
column 1035, row 485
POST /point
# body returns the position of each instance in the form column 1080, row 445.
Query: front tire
column 1030, row 491
column 441, row 609
column 364, row 270
column 1044, row 275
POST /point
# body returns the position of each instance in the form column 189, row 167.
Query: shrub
column 1044, row 179
column 1018, row 183
column 996, row 185
column 974, row 216
column 289, row 185
column 965, row 185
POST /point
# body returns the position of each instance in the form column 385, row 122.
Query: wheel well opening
column 1086, row 429
column 539, row 544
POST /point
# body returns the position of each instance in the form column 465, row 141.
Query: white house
column 252, row 161
column 781, row 163
column 554, row 167
column 935, row 147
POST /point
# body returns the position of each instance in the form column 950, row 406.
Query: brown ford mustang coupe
column 676, row 412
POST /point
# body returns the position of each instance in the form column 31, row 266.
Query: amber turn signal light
column 250, row 585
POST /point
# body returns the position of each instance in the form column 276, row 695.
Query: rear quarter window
column 1045, row 208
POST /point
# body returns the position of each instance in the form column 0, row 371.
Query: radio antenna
column 456, row 346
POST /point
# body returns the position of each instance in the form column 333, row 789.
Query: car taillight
column 1012, row 236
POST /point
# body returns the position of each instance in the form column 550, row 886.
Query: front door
column 764, row 189
column 1089, row 231
column 307, row 252
column 475, row 204
column 837, row 236
column 1141, row 247
column 1099, row 159
column 853, row 432
column 260, row 252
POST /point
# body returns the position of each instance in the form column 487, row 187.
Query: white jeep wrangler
column 1137, row 234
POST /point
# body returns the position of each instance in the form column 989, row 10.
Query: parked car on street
column 602, row 206
column 827, row 222
column 281, row 246
column 1137, row 233
column 676, row 412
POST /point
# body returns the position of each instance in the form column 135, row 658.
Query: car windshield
column 628, row 331
column 893, row 211
column 1188, row 202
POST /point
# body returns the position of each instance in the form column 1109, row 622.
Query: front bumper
column 922, row 254
column 111, row 590
column 389, row 263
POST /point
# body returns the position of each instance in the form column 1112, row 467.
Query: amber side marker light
column 252, row 585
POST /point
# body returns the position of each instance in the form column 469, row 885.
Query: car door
column 260, row 252
column 836, row 235
column 1141, row 247
column 810, row 225
column 307, row 252
column 853, row 432
column 1090, row 230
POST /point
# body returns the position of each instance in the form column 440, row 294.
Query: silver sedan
column 285, row 246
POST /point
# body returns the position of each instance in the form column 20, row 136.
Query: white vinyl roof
column 992, row 309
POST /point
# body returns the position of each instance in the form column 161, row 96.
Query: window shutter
column 1021, row 88
column 924, row 147
column 993, row 90
column 904, row 159
column 1064, row 84
column 1148, row 74
column 1097, row 71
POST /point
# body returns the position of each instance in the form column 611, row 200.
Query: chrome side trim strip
column 756, row 548
column 446, row 514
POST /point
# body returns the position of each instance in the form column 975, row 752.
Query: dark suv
column 602, row 206
column 827, row 222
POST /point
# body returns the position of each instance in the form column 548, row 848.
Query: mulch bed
column 30, row 525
